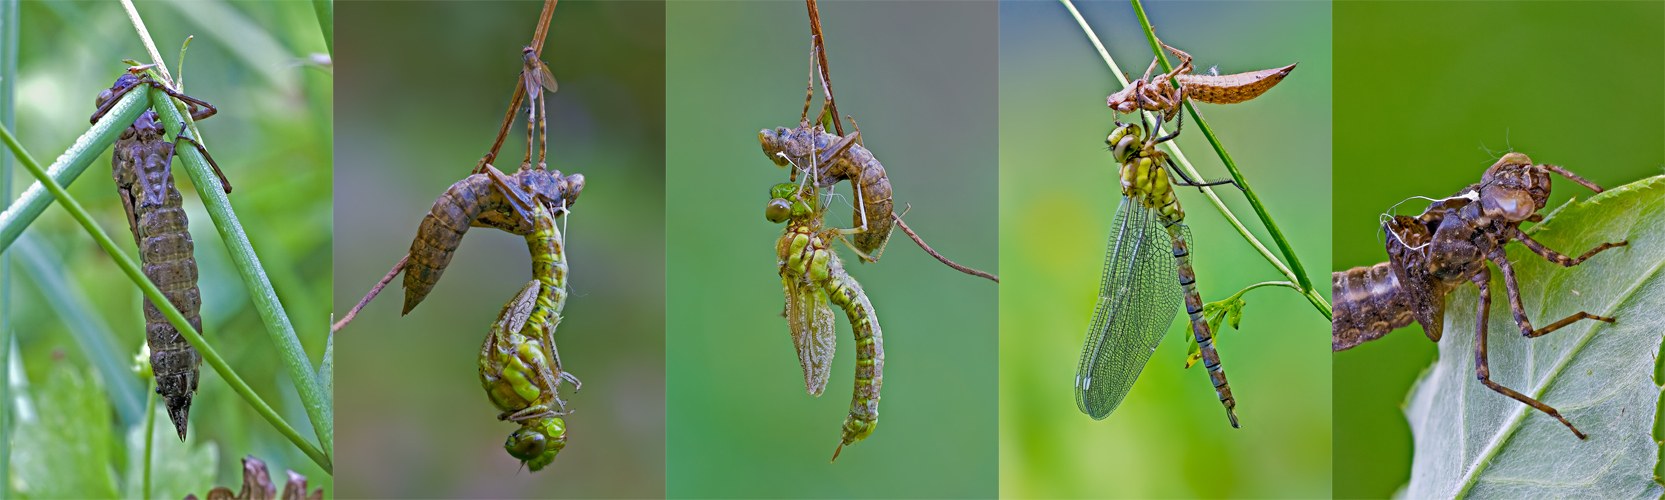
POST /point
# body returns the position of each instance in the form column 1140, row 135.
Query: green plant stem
column 161, row 302
column 70, row 165
column 1246, row 289
column 313, row 396
column 150, row 435
column 325, row 9
column 1231, row 166
column 1318, row 300
column 10, row 25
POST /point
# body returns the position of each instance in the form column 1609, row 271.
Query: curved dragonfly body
column 520, row 367
column 837, row 159
column 813, row 276
column 1447, row 246
column 1141, row 285
column 141, row 166
column 483, row 199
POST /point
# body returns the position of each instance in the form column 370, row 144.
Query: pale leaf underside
column 1473, row 441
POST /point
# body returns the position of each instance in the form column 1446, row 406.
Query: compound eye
column 525, row 444
column 1512, row 205
column 778, row 210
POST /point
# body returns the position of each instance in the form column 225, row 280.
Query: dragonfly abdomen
column 1179, row 234
column 846, row 293
column 442, row 231
column 1369, row 303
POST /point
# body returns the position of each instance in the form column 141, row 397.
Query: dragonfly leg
column 809, row 89
column 1574, row 177
column 1482, row 370
column 543, row 130
column 111, row 102
column 531, row 412
column 1178, row 124
column 1519, row 310
column 1557, row 258
column 1185, row 180
column 224, row 182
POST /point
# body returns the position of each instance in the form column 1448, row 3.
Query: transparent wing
column 812, row 324
column 1138, row 297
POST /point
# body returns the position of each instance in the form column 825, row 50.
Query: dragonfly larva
column 141, row 166
column 1447, row 246
column 811, row 272
column 839, row 159
column 477, row 200
column 520, row 367
column 1141, row 285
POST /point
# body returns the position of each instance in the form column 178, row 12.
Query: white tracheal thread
column 1388, row 216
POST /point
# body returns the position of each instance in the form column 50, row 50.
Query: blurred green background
column 424, row 86
column 1466, row 82
column 920, row 79
column 266, row 67
column 1058, row 192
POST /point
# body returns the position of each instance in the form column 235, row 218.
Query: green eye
column 525, row 444
column 778, row 210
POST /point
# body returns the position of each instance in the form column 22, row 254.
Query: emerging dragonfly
column 812, row 276
column 520, row 367
column 834, row 158
column 141, row 165
column 1140, row 286
column 1448, row 245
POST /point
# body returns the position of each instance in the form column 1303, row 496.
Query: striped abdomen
column 1369, row 303
column 140, row 165
column 549, row 266
column 442, row 231
column 1233, row 88
column 846, row 293
column 1181, row 235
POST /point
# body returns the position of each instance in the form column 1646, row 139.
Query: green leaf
column 1471, row 441
column 176, row 468
column 65, row 451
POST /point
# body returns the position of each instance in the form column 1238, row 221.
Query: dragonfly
column 1449, row 245
column 812, row 276
column 836, row 158
column 141, row 166
column 520, row 367
column 1140, row 285
column 487, row 198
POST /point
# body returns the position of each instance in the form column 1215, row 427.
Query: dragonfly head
column 557, row 192
column 1123, row 141
column 785, row 202
column 537, row 442
column 775, row 142
column 1513, row 189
